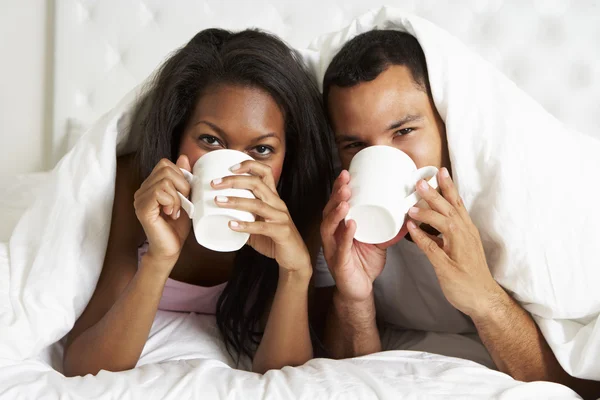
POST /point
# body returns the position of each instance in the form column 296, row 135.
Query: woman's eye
column 210, row 140
column 263, row 150
column 404, row 131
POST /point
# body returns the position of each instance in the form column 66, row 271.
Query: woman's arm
column 286, row 340
column 114, row 340
column 113, row 329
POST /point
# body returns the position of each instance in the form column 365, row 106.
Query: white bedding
column 49, row 267
column 184, row 358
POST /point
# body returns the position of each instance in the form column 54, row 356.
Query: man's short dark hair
column 367, row 55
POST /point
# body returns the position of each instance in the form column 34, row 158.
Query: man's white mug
column 211, row 223
column 382, row 181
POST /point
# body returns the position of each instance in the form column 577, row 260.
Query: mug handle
column 419, row 174
column 186, row 204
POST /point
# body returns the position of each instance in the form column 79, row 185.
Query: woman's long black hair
column 256, row 59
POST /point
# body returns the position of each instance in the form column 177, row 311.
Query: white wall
column 23, row 72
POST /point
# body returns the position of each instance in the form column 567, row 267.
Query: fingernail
column 222, row 199
column 411, row 225
column 178, row 214
column 423, row 185
column 445, row 173
column 217, row 181
column 235, row 167
column 169, row 211
column 413, row 210
column 234, row 224
column 339, row 206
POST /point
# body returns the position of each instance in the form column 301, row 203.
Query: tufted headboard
column 104, row 48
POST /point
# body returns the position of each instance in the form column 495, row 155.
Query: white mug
column 211, row 223
column 382, row 181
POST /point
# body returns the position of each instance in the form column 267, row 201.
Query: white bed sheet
column 185, row 358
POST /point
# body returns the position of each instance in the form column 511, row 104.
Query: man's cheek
column 345, row 159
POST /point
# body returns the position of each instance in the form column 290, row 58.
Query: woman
column 245, row 91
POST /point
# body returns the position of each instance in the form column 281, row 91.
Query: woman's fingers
column 254, row 184
column 263, row 171
column 165, row 169
column 254, row 206
column 162, row 195
column 278, row 232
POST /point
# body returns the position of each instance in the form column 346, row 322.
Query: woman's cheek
column 277, row 168
column 192, row 152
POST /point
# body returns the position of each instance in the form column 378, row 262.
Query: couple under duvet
column 302, row 286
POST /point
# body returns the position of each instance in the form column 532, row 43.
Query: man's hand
column 458, row 257
column 353, row 265
column 351, row 328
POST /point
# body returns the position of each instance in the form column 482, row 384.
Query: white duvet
column 521, row 173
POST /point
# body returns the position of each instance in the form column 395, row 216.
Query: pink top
column 185, row 297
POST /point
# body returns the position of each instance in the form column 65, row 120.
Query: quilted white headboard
column 104, row 48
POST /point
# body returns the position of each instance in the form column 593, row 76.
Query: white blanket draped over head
column 524, row 177
column 529, row 183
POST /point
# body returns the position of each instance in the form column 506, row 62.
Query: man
column 377, row 92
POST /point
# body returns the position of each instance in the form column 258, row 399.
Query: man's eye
column 354, row 145
column 404, row 131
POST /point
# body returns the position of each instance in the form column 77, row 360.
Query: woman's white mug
column 382, row 181
column 210, row 222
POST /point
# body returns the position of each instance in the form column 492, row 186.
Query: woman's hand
column 458, row 257
column 158, row 209
column 273, row 234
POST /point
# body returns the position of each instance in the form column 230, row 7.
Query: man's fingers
column 450, row 193
column 429, row 246
column 432, row 218
column 435, row 200
column 329, row 226
column 345, row 246
column 340, row 192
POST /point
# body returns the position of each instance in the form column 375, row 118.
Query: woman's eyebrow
column 213, row 127
column 266, row 136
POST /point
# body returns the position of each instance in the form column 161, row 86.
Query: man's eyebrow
column 404, row 120
column 346, row 138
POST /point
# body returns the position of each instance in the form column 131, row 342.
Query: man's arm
column 507, row 330
column 518, row 347
column 351, row 328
